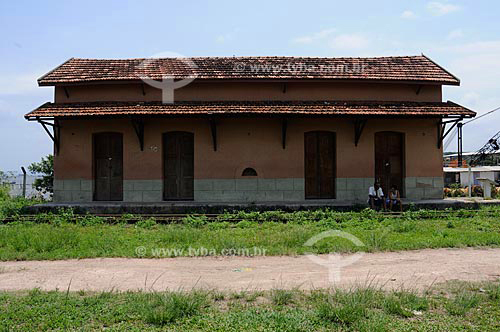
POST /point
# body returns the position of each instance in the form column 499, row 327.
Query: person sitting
column 394, row 199
column 376, row 196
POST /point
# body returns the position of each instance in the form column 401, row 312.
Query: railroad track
column 113, row 218
column 177, row 218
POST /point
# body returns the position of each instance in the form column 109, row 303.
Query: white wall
column 15, row 183
column 464, row 177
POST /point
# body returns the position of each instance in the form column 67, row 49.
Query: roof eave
column 280, row 80
column 39, row 80
column 229, row 115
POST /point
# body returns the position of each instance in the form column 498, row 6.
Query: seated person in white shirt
column 376, row 196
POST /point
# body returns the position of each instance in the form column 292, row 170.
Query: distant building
column 451, row 160
column 15, row 184
column 461, row 175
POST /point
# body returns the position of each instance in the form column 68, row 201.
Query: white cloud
column 349, row 41
column 489, row 46
column 220, row 39
column 471, row 98
column 227, row 36
column 440, row 9
column 408, row 14
column 454, row 34
column 320, row 35
column 477, row 66
column 336, row 41
column 19, row 84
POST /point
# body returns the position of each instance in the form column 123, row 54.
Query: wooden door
column 178, row 155
column 389, row 160
column 108, row 167
column 320, row 172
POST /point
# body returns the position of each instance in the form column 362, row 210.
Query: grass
column 358, row 309
column 13, row 206
column 281, row 296
column 462, row 303
column 59, row 236
column 341, row 313
column 165, row 308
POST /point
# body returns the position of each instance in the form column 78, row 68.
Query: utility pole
column 24, row 181
column 459, row 147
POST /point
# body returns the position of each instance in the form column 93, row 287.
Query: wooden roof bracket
column 359, row 125
column 441, row 129
column 284, row 125
column 419, row 88
column 139, row 131
column 213, row 130
column 55, row 135
column 66, row 92
column 143, row 88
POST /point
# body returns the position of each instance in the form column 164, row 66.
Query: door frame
column 334, row 165
column 402, row 190
column 163, row 163
column 94, row 179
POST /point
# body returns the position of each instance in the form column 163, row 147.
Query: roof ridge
column 255, row 57
column 415, row 68
column 322, row 101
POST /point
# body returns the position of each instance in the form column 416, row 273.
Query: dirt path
column 411, row 269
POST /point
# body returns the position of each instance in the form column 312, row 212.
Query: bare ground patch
column 417, row 269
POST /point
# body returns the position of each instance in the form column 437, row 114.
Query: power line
column 479, row 117
column 454, row 133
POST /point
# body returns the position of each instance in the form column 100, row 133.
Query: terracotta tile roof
column 396, row 68
column 291, row 108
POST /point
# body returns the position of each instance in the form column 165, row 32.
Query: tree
column 45, row 168
column 4, row 177
column 4, row 189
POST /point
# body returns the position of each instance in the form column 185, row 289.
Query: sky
column 36, row 36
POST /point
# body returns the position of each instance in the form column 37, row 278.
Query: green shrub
column 46, row 168
column 146, row 223
column 126, row 218
column 195, row 221
column 11, row 207
column 495, row 192
column 477, row 191
column 4, row 193
column 63, row 215
column 90, row 220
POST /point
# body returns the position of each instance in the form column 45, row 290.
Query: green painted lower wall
column 246, row 190
column 249, row 190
